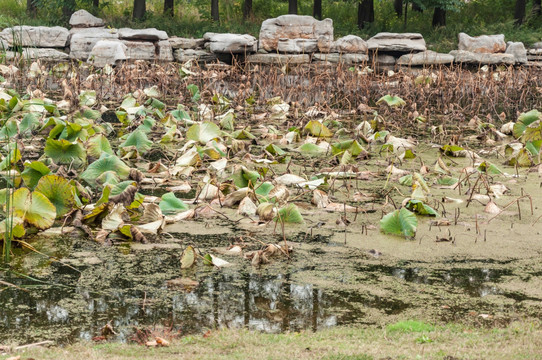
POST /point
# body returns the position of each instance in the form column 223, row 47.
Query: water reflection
column 223, row 298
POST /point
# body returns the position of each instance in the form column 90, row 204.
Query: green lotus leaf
column 275, row 150
column 9, row 129
column 524, row 120
column 289, row 214
column 17, row 227
column 170, row 204
column 420, row 208
column 34, row 208
column 311, row 149
column 97, row 145
column 106, row 162
column 399, row 222
column 32, row 173
column 242, row 177
column 391, row 101
column 59, row 191
column 203, row 132
column 14, row 156
column 28, row 124
column 188, row 257
column 65, row 152
column 169, row 135
column 349, row 145
column 139, row 140
column 316, row 128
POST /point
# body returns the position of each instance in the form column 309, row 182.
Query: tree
column 366, row 13
column 292, row 6
column 31, row 8
column 398, row 7
column 140, row 7
column 439, row 17
column 95, row 3
column 317, row 9
column 215, row 14
column 537, row 8
column 519, row 12
column 68, row 8
column 247, row 9
column 169, row 7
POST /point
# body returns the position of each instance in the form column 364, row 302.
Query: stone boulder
column 490, row 44
column 107, row 52
column 82, row 42
column 294, row 27
column 151, row 34
column 231, row 43
column 297, row 46
column 397, row 42
column 467, row 57
column 46, row 54
column 165, row 51
column 279, row 59
column 425, row 58
column 518, row 50
column 185, row 43
column 84, row 19
column 139, row 50
column 184, row 55
column 347, row 59
column 36, row 36
column 350, row 44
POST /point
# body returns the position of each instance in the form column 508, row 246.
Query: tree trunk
column 215, row 13
column 68, row 8
column 519, row 13
column 537, row 8
column 95, row 3
column 140, row 7
column 366, row 13
column 31, row 8
column 292, row 6
column 398, row 6
column 439, row 17
column 317, row 9
column 247, row 9
column 416, row 7
column 169, row 7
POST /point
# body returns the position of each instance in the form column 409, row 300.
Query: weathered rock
column 36, row 36
column 325, row 44
column 3, row 44
column 231, row 43
column 139, row 50
column 348, row 59
column 46, row 54
column 150, row 34
column 467, row 57
column 107, row 52
column 84, row 19
column 350, row 44
column 279, row 59
column 382, row 59
column 294, row 27
column 425, row 58
column 185, row 43
column 490, row 44
column 397, row 42
column 165, row 51
column 184, row 55
column 82, row 42
column 537, row 45
column 297, row 46
column 518, row 50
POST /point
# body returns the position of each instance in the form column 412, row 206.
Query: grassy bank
column 403, row 340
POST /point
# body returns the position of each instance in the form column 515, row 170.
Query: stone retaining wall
column 287, row 39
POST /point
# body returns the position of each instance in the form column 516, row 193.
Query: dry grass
column 519, row 340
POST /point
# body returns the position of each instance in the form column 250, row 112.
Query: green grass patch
column 410, row 326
